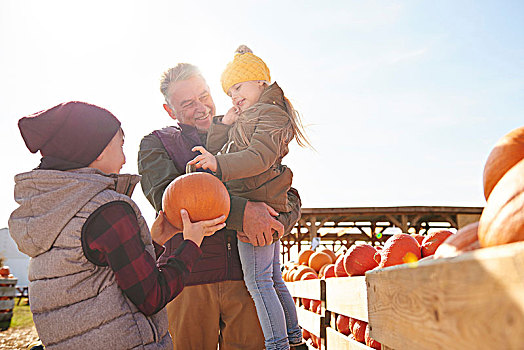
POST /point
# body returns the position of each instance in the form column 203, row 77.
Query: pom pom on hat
column 72, row 133
column 245, row 67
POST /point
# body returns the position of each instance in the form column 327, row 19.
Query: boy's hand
column 195, row 231
column 231, row 116
column 205, row 160
column 162, row 230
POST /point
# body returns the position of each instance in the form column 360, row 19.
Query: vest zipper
column 228, row 262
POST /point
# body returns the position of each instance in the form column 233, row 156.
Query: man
column 215, row 306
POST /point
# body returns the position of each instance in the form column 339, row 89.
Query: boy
column 94, row 282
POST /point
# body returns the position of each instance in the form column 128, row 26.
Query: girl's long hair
column 297, row 126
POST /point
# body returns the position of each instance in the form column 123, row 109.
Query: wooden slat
column 310, row 321
column 311, row 289
column 7, row 304
column 7, row 291
column 338, row 341
column 8, row 281
column 347, row 296
column 473, row 301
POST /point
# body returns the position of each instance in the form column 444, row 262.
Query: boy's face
column 246, row 94
column 112, row 158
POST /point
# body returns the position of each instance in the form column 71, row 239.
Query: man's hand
column 162, row 230
column 205, row 160
column 259, row 224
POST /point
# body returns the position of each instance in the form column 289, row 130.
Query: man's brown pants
column 203, row 316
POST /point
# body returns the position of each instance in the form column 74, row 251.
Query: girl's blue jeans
column 275, row 307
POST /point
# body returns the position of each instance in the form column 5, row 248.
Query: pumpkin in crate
column 340, row 270
column 502, row 220
column 359, row 259
column 305, row 334
column 314, row 305
column 4, row 271
column 372, row 343
column 303, row 256
column 309, row 276
column 464, row 240
column 319, row 259
column 432, row 241
column 203, row 196
column 508, row 151
column 329, row 271
column 343, row 324
column 359, row 330
column 418, row 237
column 301, row 271
column 399, row 249
column 330, row 253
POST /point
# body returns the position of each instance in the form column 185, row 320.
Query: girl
column 245, row 150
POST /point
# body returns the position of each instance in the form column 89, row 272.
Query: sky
column 403, row 100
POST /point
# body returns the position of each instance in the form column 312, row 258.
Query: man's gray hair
column 181, row 71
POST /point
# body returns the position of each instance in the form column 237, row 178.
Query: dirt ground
column 17, row 338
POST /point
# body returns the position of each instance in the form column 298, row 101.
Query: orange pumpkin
column 418, row 237
column 319, row 259
column 359, row 331
column 322, row 270
column 508, row 151
column 359, row 259
column 305, row 334
column 340, row 270
column 343, row 324
column 502, row 221
column 314, row 305
column 464, row 240
column 4, row 271
column 203, row 196
column 329, row 271
column 306, row 303
column 372, row 343
column 303, row 256
column 399, row 249
column 309, row 276
column 432, row 241
column 330, row 253
column 301, row 271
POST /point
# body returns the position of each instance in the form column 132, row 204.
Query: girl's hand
column 195, row 231
column 162, row 230
column 231, row 116
column 205, row 160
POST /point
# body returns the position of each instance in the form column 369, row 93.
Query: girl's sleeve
column 111, row 237
column 262, row 152
column 217, row 135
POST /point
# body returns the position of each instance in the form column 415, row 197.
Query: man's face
column 191, row 103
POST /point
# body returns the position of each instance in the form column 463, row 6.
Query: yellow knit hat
column 244, row 67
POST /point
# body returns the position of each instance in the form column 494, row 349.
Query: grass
column 22, row 316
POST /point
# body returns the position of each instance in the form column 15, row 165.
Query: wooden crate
column 314, row 290
column 7, row 301
column 346, row 296
column 473, row 301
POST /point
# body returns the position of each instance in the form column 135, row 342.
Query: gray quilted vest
column 76, row 304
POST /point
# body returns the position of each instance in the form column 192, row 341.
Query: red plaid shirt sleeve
column 111, row 237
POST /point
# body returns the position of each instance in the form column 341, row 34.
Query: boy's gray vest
column 76, row 304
